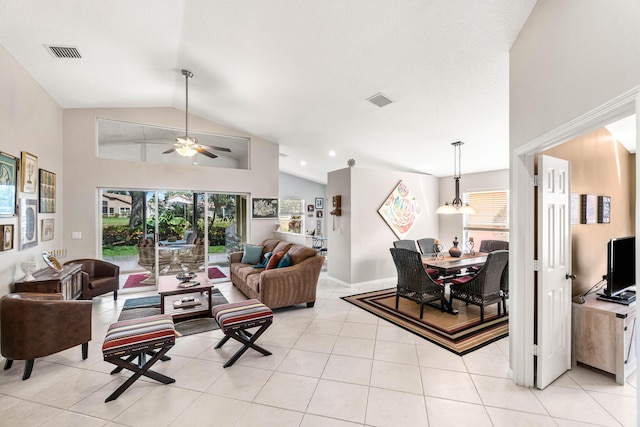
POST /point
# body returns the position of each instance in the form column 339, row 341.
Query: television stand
column 626, row 297
column 604, row 336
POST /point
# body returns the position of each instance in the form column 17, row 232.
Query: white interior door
column 553, row 315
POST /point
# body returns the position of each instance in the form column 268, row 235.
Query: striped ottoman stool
column 234, row 320
column 138, row 338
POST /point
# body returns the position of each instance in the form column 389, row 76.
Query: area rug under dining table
column 148, row 306
column 460, row 334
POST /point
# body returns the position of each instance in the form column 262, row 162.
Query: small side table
column 168, row 287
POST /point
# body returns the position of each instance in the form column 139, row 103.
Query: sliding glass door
column 162, row 232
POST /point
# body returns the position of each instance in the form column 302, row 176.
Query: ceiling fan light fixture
column 186, row 150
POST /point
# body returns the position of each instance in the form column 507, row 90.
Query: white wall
column 86, row 173
column 570, row 57
column 293, row 187
column 361, row 232
column 30, row 121
column 339, row 227
column 451, row 225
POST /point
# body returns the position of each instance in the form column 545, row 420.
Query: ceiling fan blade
column 205, row 152
column 170, row 150
column 211, row 147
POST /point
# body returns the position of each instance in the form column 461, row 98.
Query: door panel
column 553, row 316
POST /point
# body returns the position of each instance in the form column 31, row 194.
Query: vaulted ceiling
column 295, row 72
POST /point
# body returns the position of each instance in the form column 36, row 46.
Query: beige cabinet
column 604, row 336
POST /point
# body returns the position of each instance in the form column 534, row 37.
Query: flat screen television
column 621, row 265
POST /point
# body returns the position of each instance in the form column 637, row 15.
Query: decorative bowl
column 186, row 276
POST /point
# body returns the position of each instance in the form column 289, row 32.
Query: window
column 146, row 143
column 292, row 215
column 124, row 211
column 492, row 220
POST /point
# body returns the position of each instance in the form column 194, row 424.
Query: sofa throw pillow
column 274, row 260
column 285, row 261
column 252, row 254
column 264, row 263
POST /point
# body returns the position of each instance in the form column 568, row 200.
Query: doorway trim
column 522, row 217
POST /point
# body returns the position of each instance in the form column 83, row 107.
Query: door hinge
column 536, row 180
column 534, row 349
column 536, row 265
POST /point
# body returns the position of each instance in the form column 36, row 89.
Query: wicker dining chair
column 483, row 288
column 405, row 244
column 413, row 281
column 426, row 245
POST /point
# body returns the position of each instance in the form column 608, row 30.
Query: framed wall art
column 47, row 229
column 575, row 208
column 6, row 232
column 589, row 209
column 319, row 202
column 29, row 168
column 28, row 223
column 309, row 208
column 47, row 192
column 264, row 208
column 8, row 184
column 400, row 210
column 318, row 214
column 604, row 209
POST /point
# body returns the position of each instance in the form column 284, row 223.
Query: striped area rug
column 460, row 334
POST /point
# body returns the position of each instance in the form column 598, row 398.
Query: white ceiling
column 295, row 72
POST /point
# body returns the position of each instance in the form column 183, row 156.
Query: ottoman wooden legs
column 234, row 320
column 134, row 339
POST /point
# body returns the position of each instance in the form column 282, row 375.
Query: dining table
column 448, row 265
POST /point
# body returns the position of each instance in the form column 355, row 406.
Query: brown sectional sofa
column 280, row 287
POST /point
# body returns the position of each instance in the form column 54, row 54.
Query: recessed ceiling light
column 332, row 153
column 303, row 163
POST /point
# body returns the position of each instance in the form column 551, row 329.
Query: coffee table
column 170, row 292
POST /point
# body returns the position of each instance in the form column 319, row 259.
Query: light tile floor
column 332, row 365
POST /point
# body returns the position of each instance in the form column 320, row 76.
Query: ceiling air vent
column 380, row 100
column 63, row 51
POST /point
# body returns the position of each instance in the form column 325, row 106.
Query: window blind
column 493, row 210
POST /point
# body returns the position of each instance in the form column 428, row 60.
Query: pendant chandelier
column 456, row 206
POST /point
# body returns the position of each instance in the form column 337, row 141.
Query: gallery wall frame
column 8, row 184
column 604, row 209
column 48, row 227
column 28, row 223
column 319, row 203
column 46, row 192
column 400, row 210
column 264, row 208
column 589, row 209
column 6, row 232
column 29, row 172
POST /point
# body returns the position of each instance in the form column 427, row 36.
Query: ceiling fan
column 185, row 145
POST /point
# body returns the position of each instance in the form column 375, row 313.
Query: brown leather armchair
column 99, row 277
column 36, row 325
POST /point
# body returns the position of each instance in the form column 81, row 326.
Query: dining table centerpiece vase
column 455, row 251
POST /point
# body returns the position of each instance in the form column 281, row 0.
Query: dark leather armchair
column 483, row 288
column 37, row 325
column 98, row 277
